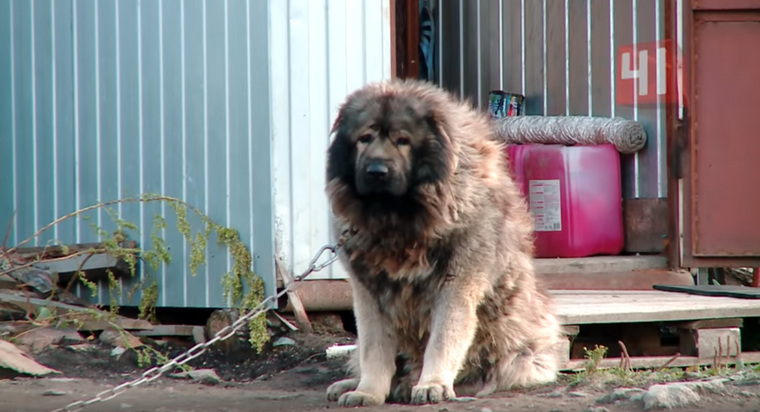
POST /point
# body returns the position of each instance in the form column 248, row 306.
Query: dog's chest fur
column 407, row 295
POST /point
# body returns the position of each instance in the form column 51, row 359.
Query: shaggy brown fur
column 440, row 251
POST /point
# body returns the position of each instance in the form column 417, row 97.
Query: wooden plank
column 295, row 300
column 197, row 332
column 647, row 362
column 74, row 263
column 600, row 264
column 711, row 323
column 709, row 343
column 120, row 321
column 169, row 330
column 585, row 307
column 726, row 4
column 91, row 324
column 19, row 362
column 612, row 281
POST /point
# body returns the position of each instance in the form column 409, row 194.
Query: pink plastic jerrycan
column 574, row 195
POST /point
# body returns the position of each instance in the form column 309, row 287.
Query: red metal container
column 574, row 195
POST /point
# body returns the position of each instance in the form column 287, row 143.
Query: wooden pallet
column 707, row 328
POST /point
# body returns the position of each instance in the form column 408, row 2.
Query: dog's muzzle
column 376, row 169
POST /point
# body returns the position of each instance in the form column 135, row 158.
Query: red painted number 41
column 645, row 70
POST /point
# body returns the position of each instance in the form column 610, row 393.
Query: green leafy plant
column 242, row 287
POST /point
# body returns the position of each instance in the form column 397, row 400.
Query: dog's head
column 389, row 141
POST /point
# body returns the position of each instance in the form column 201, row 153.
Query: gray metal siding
column 105, row 99
column 561, row 54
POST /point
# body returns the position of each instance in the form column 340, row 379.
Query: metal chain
column 226, row 332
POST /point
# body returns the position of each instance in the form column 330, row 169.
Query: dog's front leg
column 453, row 326
column 377, row 352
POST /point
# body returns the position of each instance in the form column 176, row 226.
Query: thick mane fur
column 469, row 171
column 440, row 264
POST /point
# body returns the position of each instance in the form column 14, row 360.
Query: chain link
column 226, row 332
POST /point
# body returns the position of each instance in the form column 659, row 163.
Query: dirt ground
column 287, row 378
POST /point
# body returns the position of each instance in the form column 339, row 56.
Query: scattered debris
column 339, row 351
column 38, row 279
column 118, row 338
column 204, row 376
column 82, row 347
column 284, row 341
column 285, row 322
column 196, row 332
column 36, row 340
column 13, row 361
column 221, row 318
column 326, row 322
column 88, row 319
column 619, row 394
column 677, row 394
column 117, row 351
column 295, row 300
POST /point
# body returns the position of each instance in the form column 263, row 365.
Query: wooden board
column 604, row 306
column 646, row 362
column 99, row 320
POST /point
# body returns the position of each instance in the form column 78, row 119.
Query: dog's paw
column 401, row 393
column 340, row 387
column 357, row 398
column 432, row 393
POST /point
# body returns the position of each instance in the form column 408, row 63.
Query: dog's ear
column 434, row 159
column 340, row 154
column 338, row 120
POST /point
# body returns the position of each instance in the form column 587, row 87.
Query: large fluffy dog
column 439, row 251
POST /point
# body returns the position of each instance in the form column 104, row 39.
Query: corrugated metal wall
column 562, row 55
column 105, row 99
column 225, row 104
column 335, row 46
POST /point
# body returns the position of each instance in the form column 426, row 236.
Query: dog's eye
column 402, row 141
column 365, row 138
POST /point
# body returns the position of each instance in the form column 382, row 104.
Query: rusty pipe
column 321, row 296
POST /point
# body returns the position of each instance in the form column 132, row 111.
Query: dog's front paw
column 340, row 387
column 432, row 393
column 358, row 398
column 401, row 393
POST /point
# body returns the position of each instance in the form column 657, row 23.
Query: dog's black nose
column 377, row 169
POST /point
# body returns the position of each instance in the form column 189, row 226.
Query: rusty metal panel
column 726, row 4
column 646, row 225
column 724, row 144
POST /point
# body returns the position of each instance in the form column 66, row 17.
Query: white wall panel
column 320, row 52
